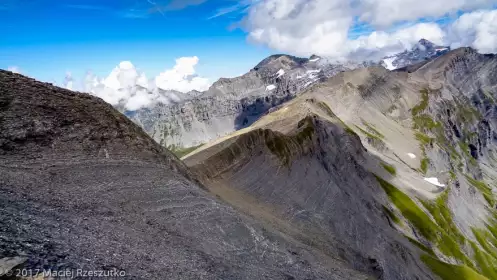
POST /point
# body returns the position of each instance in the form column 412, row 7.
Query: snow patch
column 411, row 155
column 313, row 71
column 308, row 84
column 314, row 59
column 389, row 63
column 441, row 49
column 280, row 73
column 434, row 181
column 270, row 87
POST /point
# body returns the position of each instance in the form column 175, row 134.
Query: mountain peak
column 314, row 57
column 425, row 42
column 288, row 60
column 424, row 45
column 421, row 51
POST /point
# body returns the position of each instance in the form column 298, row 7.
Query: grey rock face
column 84, row 188
column 232, row 104
column 464, row 103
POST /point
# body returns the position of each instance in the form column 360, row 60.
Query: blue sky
column 46, row 38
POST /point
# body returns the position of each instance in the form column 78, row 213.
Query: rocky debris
column 84, row 188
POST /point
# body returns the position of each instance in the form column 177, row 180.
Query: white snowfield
column 411, row 155
column 388, row 63
column 441, row 49
column 313, row 71
column 270, row 87
column 314, row 59
column 280, row 73
column 434, row 181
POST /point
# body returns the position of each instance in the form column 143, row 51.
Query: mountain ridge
column 429, row 139
column 235, row 103
column 85, row 188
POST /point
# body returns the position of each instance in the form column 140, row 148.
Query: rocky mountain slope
column 232, row 104
column 393, row 172
column 85, row 188
column 187, row 120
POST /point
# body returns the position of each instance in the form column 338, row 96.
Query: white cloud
column 182, row 77
column 380, row 43
column 305, row 27
column 124, row 76
column 68, row 81
column 14, row 69
column 477, row 29
column 127, row 86
column 387, row 12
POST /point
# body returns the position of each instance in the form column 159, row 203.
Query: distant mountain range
column 235, row 103
column 190, row 119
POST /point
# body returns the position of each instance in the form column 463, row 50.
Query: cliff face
column 392, row 172
column 85, row 188
column 232, row 104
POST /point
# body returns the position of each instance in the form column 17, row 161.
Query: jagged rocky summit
column 422, row 51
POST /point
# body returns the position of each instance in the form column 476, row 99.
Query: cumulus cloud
column 182, row 77
column 380, row 43
column 68, row 81
column 387, row 12
column 128, row 87
column 477, row 29
column 323, row 27
column 14, row 69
